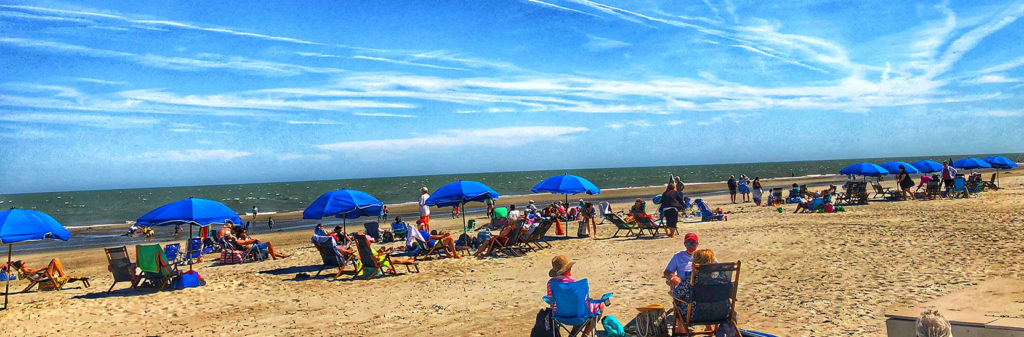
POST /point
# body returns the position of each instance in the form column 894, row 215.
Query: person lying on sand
column 242, row 239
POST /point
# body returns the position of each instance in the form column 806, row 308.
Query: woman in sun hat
column 561, row 271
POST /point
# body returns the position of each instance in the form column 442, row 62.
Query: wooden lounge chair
column 121, row 267
column 329, row 254
column 535, row 236
column 885, row 192
column 620, row 225
column 777, row 195
column 712, row 299
column 377, row 260
column 932, row 190
column 648, row 224
column 48, row 281
column 512, row 246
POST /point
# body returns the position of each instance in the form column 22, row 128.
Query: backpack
column 612, row 327
column 388, row 237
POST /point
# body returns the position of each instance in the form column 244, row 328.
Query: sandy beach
column 802, row 275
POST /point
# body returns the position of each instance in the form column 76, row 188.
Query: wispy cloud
column 557, row 7
column 407, row 63
column 302, row 53
column 496, row 137
column 190, row 156
column 381, row 114
column 99, row 81
column 994, row 78
column 317, row 157
column 598, row 43
column 79, row 119
column 242, row 102
column 316, row 122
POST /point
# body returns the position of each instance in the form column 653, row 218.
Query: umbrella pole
column 344, row 223
column 464, row 228
column 188, row 248
column 8, row 286
column 567, row 216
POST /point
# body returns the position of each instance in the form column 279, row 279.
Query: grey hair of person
column 932, row 324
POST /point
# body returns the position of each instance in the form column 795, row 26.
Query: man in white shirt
column 424, row 209
column 682, row 262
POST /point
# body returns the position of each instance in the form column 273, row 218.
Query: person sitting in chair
column 55, row 268
column 242, row 239
column 810, row 204
column 444, row 239
column 561, row 271
column 681, row 290
column 492, row 243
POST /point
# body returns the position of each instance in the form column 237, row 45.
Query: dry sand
column 802, row 275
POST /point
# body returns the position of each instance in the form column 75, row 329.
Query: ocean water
column 116, row 206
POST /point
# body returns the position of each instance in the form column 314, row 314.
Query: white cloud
column 316, row 55
column 112, row 121
column 99, row 81
column 496, row 137
column 415, row 64
column 316, row 122
column 676, row 122
column 550, row 5
column 993, row 78
column 239, row 102
column 381, row 114
column 598, row 43
column 1001, row 113
column 194, row 155
column 319, row 157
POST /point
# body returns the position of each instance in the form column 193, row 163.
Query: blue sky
column 98, row 94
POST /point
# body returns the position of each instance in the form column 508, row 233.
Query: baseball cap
column 690, row 237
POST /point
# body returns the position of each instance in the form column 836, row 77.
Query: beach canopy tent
column 193, row 211
column 345, row 204
column 864, row 169
column 927, row 166
column 459, row 193
column 894, row 167
column 18, row 225
column 971, row 163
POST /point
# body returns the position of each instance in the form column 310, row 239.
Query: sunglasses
column 690, row 243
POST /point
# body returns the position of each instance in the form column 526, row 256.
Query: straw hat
column 559, row 265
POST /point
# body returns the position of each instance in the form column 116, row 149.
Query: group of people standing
column 749, row 190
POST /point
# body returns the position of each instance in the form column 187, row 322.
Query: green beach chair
column 153, row 264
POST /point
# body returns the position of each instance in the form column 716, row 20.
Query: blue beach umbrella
column 193, row 211
column 345, row 204
column 894, row 167
column 459, row 193
column 927, row 166
column 864, row 169
column 566, row 184
column 1000, row 162
column 971, row 163
column 17, row 225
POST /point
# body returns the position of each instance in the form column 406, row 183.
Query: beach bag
column 5, row 276
column 388, row 237
column 612, row 327
column 650, row 322
column 230, row 257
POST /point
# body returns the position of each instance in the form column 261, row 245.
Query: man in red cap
column 679, row 267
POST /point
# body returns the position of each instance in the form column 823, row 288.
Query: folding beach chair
column 171, row 251
column 537, row 236
column 620, row 225
column 646, row 223
column 705, row 212
column 329, row 254
column 570, row 307
column 373, row 230
column 512, row 246
column 932, row 190
column 960, row 187
column 777, row 195
column 885, row 192
column 399, row 229
column 48, row 281
column 711, row 302
column 372, row 263
column 196, row 250
column 121, row 267
column 151, row 260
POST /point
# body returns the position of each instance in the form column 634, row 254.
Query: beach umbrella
column 566, row 184
column 17, row 225
column 345, row 204
column 999, row 162
column 864, row 169
column 459, row 193
column 927, row 166
column 971, row 163
column 193, row 211
column 894, row 167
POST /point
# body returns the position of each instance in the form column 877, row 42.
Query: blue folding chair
column 399, row 229
column 571, row 302
column 171, row 253
column 960, row 187
column 196, row 249
column 705, row 211
column 373, row 230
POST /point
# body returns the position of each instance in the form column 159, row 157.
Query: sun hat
column 690, row 237
column 559, row 265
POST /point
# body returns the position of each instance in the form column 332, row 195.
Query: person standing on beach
column 424, row 209
column 948, row 173
column 905, row 183
column 383, row 214
column 732, row 188
column 255, row 212
column 270, row 223
column 757, row 191
column 671, row 204
column 744, row 187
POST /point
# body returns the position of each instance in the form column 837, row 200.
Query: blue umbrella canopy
column 18, row 225
column 566, row 184
column 1000, row 162
column 927, row 166
column 460, row 192
column 894, row 167
column 864, row 169
column 971, row 163
column 194, row 210
column 343, row 203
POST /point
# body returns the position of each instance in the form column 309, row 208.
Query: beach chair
column 803, row 189
column 329, row 254
column 372, row 263
column 646, row 223
column 570, row 307
column 794, row 195
column 885, row 192
column 48, row 281
column 399, row 229
column 196, row 250
column 156, row 272
column 960, row 187
column 373, row 230
column 171, row 252
column 512, row 247
column 712, row 299
column 620, row 225
column 705, row 212
column 537, row 236
column 932, row 190
column 121, row 267
column 777, row 195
